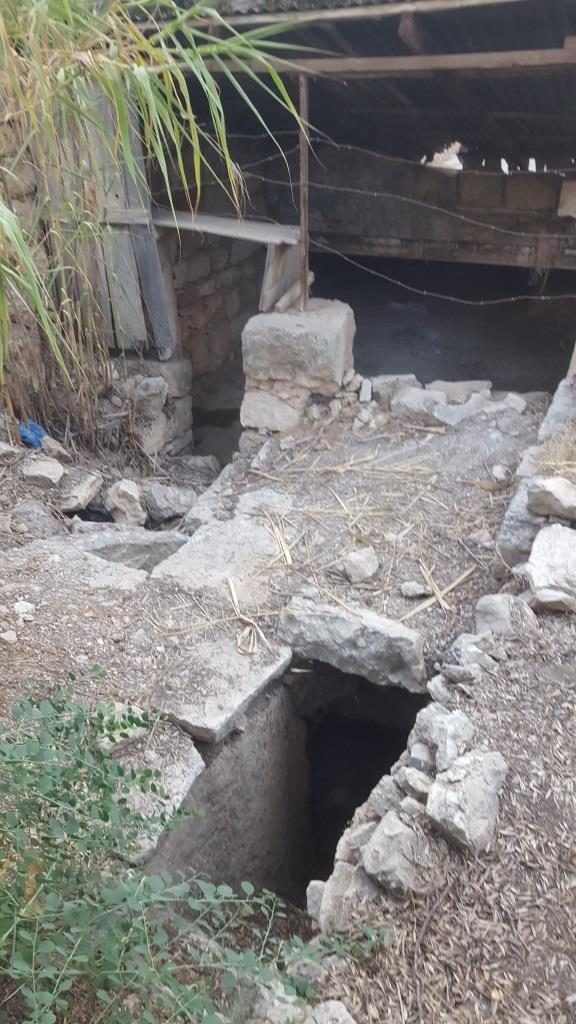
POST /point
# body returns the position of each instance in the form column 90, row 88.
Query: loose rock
column 45, row 473
column 420, row 756
column 363, row 643
column 505, row 615
column 463, row 802
column 414, row 589
column 125, row 503
column 459, row 391
column 347, row 890
column 164, row 502
column 552, row 496
column 448, row 733
column 438, row 690
column 314, row 894
column 8, row 451
column 399, row 858
column 417, row 405
column 551, row 568
column 79, row 489
column 387, row 385
column 414, row 782
column 55, row 450
column 386, row 796
column 9, row 637
column 361, row 564
column 366, row 390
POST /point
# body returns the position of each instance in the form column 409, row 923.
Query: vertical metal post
column 303, row 191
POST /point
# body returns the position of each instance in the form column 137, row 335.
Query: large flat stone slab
column 239, row 548
column 209, row 700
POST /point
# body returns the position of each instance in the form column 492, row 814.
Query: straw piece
column 445, row 590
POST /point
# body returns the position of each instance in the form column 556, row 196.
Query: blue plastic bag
column 32, row 433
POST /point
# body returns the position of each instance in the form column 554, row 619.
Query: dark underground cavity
column 277, row 795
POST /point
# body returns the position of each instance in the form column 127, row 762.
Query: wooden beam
column 208, row 224
column 382, row 10
column 512, row 62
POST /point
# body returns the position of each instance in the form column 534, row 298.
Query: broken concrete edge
column 444, row 780
column 521, row 523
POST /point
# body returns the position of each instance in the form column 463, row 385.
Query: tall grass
column 80, row 77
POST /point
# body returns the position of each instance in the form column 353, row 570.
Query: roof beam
column 505, row 62
column 381, row 10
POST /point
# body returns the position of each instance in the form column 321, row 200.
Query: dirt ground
column 496, row 942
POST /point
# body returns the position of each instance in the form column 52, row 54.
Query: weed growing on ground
column 84, row 934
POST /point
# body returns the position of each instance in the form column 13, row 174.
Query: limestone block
column 125, row 503
column 176, row 372
column 78, row 490
column 505, row 615
column 385, row 386
column 263, row 410
column 150, row 396
column 561, row 412
column 400, row 858
column 448, row 733
column 43, row 472
column 518, row 530
column 459, row 391
column 463, row 802
column 311, row 348
column 551, row 568
column 357, row 641
column 417, row 405
column 164, row 501
column 345, row 892
column 552, row 496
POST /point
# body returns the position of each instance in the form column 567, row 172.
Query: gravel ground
column 497, row 942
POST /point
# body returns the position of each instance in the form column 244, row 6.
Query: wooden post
column 304, row 168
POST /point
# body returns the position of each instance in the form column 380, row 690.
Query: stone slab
column 208, row 700
column 239, row 548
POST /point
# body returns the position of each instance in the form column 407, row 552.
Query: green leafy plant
column 84, row 935
column 84, row 84
column 78, row 925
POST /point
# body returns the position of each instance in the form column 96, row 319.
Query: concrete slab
column 239, row 548
column 209, row 699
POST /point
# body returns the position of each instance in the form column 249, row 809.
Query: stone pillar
column 290, row 356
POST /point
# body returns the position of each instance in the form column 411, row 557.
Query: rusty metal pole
column 303, row 191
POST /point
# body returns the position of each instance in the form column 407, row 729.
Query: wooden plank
column 159, row 305
column 382, row 10
column 280, row 275
column 505, row 62
column 209, row 224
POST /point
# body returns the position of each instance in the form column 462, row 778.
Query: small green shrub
column 78, row 925
column 84, row 936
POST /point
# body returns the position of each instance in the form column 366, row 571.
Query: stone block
column 176, row 372
column 263, row 410
column 311, row 348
